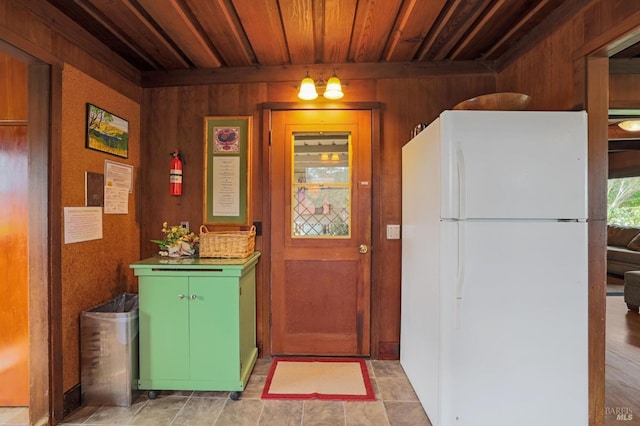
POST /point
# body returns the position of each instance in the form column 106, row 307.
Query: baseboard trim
column 388, row 351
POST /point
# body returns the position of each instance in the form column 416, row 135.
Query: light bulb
column 307, row 89
column 334, row 88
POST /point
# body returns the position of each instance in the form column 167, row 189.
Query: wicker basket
column 227, row 244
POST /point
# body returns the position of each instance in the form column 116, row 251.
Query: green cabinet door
column 164, row 325
column 214, row 329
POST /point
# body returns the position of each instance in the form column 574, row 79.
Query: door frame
column 263, row 291
column 46, row 395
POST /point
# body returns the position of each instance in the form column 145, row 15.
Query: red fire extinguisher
column 175, row 173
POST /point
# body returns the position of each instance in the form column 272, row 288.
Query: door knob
column 193, row 296
column 363, row 248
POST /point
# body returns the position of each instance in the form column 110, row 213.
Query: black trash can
column 109, row 352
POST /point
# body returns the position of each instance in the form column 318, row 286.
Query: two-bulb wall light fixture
column 309, row 88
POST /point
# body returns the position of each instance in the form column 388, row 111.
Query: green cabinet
column 197, row 323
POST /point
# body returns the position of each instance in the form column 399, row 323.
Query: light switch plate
column 185, row 225
column 393, row 232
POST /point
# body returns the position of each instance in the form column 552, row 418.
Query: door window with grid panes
column 321, row 185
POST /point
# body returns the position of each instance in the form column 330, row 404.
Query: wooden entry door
column 321, row 232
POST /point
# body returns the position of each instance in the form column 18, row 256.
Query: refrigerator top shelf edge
column 513, row 164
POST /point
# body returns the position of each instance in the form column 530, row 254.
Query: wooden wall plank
column 597, row 108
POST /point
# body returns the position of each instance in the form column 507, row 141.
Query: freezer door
column 516, row 330
column 514, row 164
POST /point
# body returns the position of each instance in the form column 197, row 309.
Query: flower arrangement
column 177, row 241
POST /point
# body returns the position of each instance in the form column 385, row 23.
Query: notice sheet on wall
column 116, row 200
column 118, row 174
column 82, row 224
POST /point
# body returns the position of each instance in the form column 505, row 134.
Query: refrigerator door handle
column 461, row 274
column 462, row 179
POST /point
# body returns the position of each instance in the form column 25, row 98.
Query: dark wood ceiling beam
column 264, row 28
column 411, row 28
column 297, row 18
column 458, row 26
column 374, row 21
column 407, row 9
column 425, row 49
column 562, row 14
column 335, row 32
column 294, row 73
column 624, row 66
column 515, row 28
column 134, row 30
column 159, row 37
column 477, row 29
column 78, row 36
column 223, row 27
column 624, row 145
column 625, row 34
column 120, row 35
column 183, row 31
column 318, row 30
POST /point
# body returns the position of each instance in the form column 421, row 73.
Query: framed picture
column 226, row 170
column 107, row 132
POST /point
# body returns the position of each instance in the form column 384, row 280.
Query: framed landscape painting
column 107, row 132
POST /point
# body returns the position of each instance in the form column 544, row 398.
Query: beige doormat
column 342, row 379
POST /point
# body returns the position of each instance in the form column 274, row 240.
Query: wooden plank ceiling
column 176, row 42
column 183, row 35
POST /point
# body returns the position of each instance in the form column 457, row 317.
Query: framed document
column 226, row 170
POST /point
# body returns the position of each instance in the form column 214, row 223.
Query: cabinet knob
column 193, row 296
column 181, row 296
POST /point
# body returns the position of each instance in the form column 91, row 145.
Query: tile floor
column 396, row 405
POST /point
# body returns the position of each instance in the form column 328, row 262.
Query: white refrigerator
column 494, row 268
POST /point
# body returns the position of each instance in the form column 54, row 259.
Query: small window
column 623, row 201
column 321, row 186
